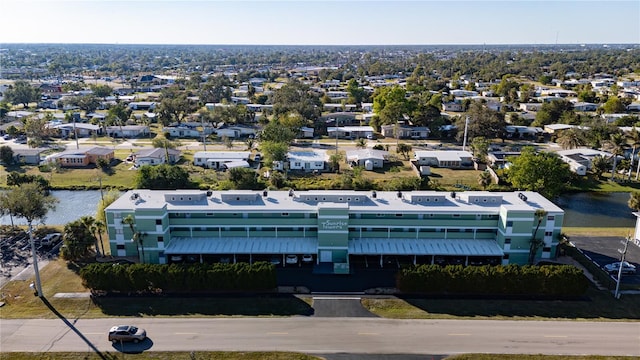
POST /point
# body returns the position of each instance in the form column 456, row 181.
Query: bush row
column 172, row 278
column 547, row 280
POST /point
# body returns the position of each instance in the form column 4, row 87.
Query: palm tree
column 535, row 244
column 361, row 143
column 137, row 236
column 634, row 201
column 484, row 179
column 616, row 146
column 571, row 139
column 89, row 223
column 634, row 137
column 98, row 228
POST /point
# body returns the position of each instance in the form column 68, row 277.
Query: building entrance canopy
column 244, row 245
column 461, row 247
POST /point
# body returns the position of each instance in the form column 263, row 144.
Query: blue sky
column 345, row 22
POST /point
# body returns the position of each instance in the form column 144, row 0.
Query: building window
column 160, row 239
column 455, row 215
column 158, row 221
column 550, row 218
column 119, row 231
column 509, row 223
column 209, row 214
column 546, row 248
column 506, row 256
column 285, row 214
column 398, row 215
column 507, row 241
column 548, row 233
column 120, row 246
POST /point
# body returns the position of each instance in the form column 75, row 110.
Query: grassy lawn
column 590, row 231
column 596, row 306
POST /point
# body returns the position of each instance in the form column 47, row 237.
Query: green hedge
column 177, row 278
column 547, row 280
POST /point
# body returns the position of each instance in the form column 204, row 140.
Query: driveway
column 604, row 250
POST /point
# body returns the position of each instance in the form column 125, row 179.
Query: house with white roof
column 218, row 159
column 311, row 160
column 444, row 158
column 350, row 132
column 156, row 156
column 581, row 160
column 368, row 158
column 405, row 131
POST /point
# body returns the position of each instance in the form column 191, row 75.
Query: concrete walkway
column 568, row 260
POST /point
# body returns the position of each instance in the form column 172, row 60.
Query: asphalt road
column 315, row 335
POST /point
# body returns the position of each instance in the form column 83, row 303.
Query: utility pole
column 623, row 252
column 464, row 140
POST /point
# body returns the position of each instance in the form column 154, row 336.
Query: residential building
column 350, row 132
column 218, row 159
column 444, row 158
column 405, row 131
column 339, row 228
column 81, row 157
column 156, row 156
column 312, row 160
column 368, row 158
column 128, row 131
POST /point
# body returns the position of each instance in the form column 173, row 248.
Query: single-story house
column 557, row 128
column 530, row 106
column 369, row 158
column 343, row 118
column 584, row 106
column 128, row 131
column 82, row 157
column 216, row 159
column 350, row 132
column 444, row 158
column 182, row 132
column 405, row 131
column 304, row 160
column 519, row 132
column 452, row 106
column 142, row 105
column 16, row 124
column 499, row 158
column 235, row 131
column 156, row 156
column 27, row 156
column 17, row 115
column 82, row 129
column 580, row 160
column 306, row 132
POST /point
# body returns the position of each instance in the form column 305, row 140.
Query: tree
column 161, row 142
column 542, row 172
column 551, row 112
column 6, row 155
column 483, row 122
column 245, row 178
column 535, row 243
column 633, row 137
column 21, row 92
column 274, row 151
column 296, row 97
column 356, row 93
column 90, row 223
column 334, row 162
column 404, row 149
column 174, row 106
column 616, row 145
column 37, row 129
column 614, row 105
column 78, row 240
column 137, row 237
column 480, row 147
column 390, row 104
column 599, row 165
column 101, row 91
column 484, row 179
column 29, row 202
column 162, row 177
column 634, row 201
column 274, row 131
column 361, row 143
column 571, row 138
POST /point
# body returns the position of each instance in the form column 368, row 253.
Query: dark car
column 127, row 333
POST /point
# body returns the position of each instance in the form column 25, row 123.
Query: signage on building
column 334, row 225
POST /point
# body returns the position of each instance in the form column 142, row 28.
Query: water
column 71, row 206
column 596, row 210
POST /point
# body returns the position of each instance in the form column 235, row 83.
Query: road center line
column 459, row 334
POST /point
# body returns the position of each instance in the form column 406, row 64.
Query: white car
column 308, row 258
column 50, row 239
column 292, row 259
column 627, row 268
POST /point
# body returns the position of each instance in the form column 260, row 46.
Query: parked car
column 307, row 258
column 292, row 259
column 50, row 239
column 627, row 268
column 275, row 260
column 127, row 333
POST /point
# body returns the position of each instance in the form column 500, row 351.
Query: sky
column 329, row 22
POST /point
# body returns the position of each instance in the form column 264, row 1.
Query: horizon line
column 247, row 44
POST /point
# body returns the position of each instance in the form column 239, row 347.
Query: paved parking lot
column 604, row 250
